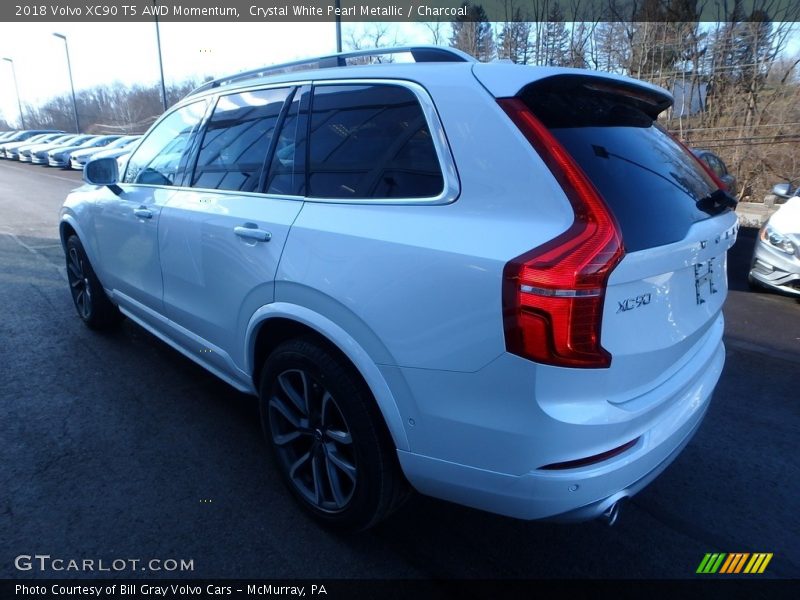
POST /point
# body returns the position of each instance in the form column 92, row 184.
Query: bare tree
column 437, row 31
column 473, row 33
column 514, row 38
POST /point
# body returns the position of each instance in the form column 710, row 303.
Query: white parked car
column 502, row 285
column 776, row 256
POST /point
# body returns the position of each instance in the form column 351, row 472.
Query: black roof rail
column 419, row 53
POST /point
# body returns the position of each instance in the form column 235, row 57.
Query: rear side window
column 370, row 141
column 655, row 189
column 237, row 139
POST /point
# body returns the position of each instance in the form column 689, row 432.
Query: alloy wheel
column 313, row 440
column 79, row 284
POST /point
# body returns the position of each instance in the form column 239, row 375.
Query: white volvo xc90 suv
column 499, row 284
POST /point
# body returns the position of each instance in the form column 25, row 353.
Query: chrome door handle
column 143, row 213
column 251, row 232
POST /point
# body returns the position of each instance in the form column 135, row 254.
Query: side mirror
column 781, row 189
column 103, row 171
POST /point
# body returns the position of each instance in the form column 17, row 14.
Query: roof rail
column 419, row 53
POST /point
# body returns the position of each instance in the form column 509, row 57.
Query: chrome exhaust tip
column 611, row 514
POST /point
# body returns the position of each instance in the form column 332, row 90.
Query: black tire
column 329, row 441
column 93, row 306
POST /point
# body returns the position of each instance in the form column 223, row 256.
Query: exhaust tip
column 611, row 514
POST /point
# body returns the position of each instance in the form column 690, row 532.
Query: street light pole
column 338, row 26
column 160, row 62
column 71, row 85
column 16, row 87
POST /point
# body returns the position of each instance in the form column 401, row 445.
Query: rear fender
column 346, row 344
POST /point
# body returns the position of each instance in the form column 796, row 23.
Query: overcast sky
column 126, row 52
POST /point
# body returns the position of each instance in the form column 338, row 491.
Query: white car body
column 776, row 256
column 410, row 293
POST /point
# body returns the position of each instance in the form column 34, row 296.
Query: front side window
column 370, row 141
column 237, row 139
column 158, row 160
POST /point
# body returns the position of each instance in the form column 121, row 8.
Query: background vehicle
column 59, row 157
column 719, row 168
column 784, row 191
column 500, row 284
column 12, row 149
column 776, row 256
column 25, row 152
column 39, row 155
column 80, row 157
column 5, row 147
column 21, row 136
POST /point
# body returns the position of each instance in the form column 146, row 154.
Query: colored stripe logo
column 734, row 563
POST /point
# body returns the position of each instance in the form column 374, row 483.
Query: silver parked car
column 80, row 157
column 40, row 155
column 60, row 156
column 13, row 149
column 776, row 257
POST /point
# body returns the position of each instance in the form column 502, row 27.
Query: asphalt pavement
column 114, row 446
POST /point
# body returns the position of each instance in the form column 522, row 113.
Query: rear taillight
column 553, row 295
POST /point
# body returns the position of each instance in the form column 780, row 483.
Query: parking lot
column 116, row 446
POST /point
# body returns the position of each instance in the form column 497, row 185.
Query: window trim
column 188, row 152
column 451, row 184
column 203, row 129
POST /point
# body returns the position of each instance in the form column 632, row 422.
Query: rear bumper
column 583, row 493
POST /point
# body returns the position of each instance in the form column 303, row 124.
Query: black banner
column 395, row 10
column 104, row 589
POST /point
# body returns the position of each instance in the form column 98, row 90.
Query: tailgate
column 676, row 225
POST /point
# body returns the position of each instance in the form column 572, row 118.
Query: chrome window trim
column 452, row 184
column 451, row 188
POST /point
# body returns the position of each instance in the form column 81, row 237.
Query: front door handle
column 143, row 213
column 251, row 231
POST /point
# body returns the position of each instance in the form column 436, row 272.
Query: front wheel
column 88, row 295
column 327, row 437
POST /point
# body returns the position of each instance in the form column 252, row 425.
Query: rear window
column 655, row 189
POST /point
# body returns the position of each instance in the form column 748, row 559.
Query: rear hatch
column 666, row 293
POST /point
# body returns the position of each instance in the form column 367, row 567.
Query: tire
column 328, row 437
column 753, row 284
column 90, row 299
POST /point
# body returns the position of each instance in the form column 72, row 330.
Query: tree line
column 112, row 108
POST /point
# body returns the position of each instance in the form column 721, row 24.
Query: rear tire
column 328, row 438
column 90, row 299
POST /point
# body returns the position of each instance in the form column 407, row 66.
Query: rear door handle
column 251, row 231
column 143, row 213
